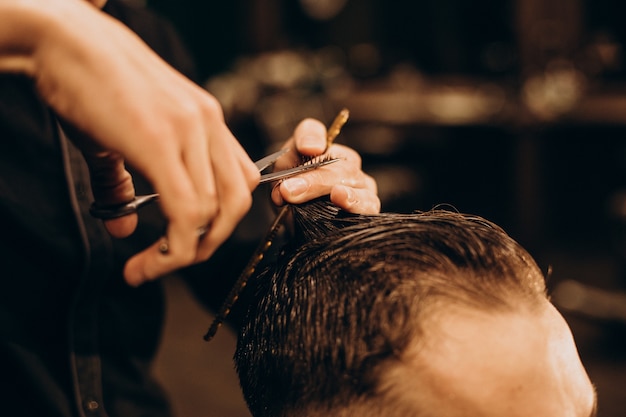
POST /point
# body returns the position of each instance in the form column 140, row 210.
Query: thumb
column 112, row 185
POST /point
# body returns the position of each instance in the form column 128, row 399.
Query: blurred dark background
column 513, row 110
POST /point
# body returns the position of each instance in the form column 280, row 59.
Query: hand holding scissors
column 113, row 211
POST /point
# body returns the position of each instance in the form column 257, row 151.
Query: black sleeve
column 157, row 32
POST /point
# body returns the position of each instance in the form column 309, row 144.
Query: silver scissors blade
column 107, row 212
column 265, row 162
column 279, row 175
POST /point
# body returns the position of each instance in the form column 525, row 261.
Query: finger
column 355, row 200
column 122, row 227
column 318, row 182
column 162, row 257
column 189, row 197
column 197, row 161
column 250, row 171
column 310, row 137
column 236, row 177
column 180, row 204
column 112, row 185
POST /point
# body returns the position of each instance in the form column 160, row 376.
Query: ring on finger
column 164, row 245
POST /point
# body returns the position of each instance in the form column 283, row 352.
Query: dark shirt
column 75, row 340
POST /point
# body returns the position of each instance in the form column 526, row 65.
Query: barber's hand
column 129, row 106
column 349, row 187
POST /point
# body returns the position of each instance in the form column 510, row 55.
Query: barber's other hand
column 349, row 187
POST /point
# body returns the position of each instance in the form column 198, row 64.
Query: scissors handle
column 108, row 212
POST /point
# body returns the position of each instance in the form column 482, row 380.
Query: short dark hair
column 349, row 293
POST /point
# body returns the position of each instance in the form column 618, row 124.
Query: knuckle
column 202, row 256
column 209, row 207
column 376, row 203
column 246, row 203
column 353, row 156
column 184, row 258
column 316, row 178
column 371, row 183
column 184, row 108
column 241, row 204
column 253, row 177
column 197, row 214
column 212, row 109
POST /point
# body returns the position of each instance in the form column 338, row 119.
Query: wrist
column 29, row 28
column 22, row 25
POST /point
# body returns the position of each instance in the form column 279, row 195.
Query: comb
column 258, row 255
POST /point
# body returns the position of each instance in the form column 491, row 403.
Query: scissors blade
column 279, row 175
column 265, row 162
column 107, row 212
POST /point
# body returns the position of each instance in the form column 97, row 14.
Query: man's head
column 428, row 315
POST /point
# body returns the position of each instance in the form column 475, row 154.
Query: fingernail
column 350, row 196
column 309, row 141
column 296, row 186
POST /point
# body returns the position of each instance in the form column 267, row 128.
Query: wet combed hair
column 346, row 297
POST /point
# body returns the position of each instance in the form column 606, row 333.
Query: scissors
column 107, row 212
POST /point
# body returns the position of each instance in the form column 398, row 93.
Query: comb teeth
column 319, row 159
column 242, row 281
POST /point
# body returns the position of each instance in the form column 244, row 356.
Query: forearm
column 21, row 25
column 26, row 26
column 74, row 53
column 50, row 40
